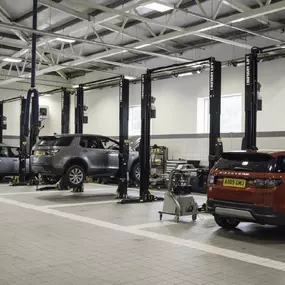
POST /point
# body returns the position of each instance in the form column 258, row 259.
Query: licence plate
column 238, row 183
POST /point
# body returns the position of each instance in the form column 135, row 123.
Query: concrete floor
column 59, row 237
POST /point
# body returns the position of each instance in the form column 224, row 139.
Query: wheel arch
column 76, row 161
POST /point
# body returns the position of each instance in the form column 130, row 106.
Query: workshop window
column 231, row 114
column 135, row 121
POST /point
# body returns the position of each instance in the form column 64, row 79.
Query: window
column 231, row 114
column 135, row 121
column 281, row 167
column 14, row 152
column 109, row 143
column 54, row 141
column 4, row 151
column 246, row 162
column 90, row 142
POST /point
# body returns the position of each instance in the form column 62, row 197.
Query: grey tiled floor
column 41, row 248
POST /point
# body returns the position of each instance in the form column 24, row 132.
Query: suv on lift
column 248, row 186
column 75, row 156
column 9, row 161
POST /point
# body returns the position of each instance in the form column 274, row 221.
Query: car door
column 93, row 153
column 6, row 162
column 112, row 149
column 13, row 153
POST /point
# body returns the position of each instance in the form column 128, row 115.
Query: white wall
column 176, row 103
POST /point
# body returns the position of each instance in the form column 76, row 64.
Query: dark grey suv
column 75, row 156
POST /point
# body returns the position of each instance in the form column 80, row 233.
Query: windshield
column 246, row 162
column 54, row 141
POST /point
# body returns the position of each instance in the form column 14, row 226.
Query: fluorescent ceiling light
column 158, row 6
column 47, row 95
column 12, row 59
column 75, row 86
column 185, row 74
column 141, row 46
column 238, row 20
column 130, row 77
column 65, row 40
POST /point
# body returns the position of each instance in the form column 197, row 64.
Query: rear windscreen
column 255, row 162
column 53, row 141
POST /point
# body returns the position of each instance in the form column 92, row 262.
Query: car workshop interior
column 142, row 142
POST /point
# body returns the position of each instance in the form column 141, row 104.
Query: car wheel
column 136, row 172
column 50, row 180
column 226, row 223
column 74, row 176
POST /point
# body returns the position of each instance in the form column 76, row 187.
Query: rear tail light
column 267, row 183
column 211, row 179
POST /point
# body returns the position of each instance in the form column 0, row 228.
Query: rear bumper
column 245, row 212
column 46, row 169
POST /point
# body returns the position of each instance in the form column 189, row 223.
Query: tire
column 136, row 172
column 50, row 180
column 226, row 223
column 74, row 176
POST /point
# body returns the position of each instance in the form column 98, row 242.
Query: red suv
column 248, row 186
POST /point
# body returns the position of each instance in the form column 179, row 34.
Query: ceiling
column 122, row 33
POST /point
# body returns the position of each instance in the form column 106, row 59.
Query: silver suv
column 75, row 156
column 9, row 161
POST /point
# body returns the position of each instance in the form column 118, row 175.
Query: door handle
column 15, row 159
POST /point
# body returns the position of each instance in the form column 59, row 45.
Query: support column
column 124, row 138
column 145, row 136
column 214, row 109
column 23, row 144
column 1, row 122
column 79, row 110
column 250, row 100
column 65, row 111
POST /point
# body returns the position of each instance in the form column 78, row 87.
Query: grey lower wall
column 196, row 146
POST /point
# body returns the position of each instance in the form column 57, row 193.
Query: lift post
column 123, row 138
column 145, row 137
column 65, row 111
column 23, row 144
column 79, row 110
column 214, row 110
column 1, row 122
column 251, row 100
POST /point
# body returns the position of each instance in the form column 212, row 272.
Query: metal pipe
column 121, row 48
column 178, row 65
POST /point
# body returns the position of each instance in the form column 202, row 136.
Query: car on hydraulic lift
column 73, row 156
column 248, row 186
column 9, row 161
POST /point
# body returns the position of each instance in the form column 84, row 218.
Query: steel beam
column 265, row 10
column 243, row 8
column 86, row 17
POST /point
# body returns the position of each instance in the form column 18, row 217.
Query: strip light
column 128, row 77
column 141, row 46
column 189, row 73
column 158, row 6
column 70, row 41
column 12, row 59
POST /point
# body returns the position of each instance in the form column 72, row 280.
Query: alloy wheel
column 76, row 176
column 138, row 172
